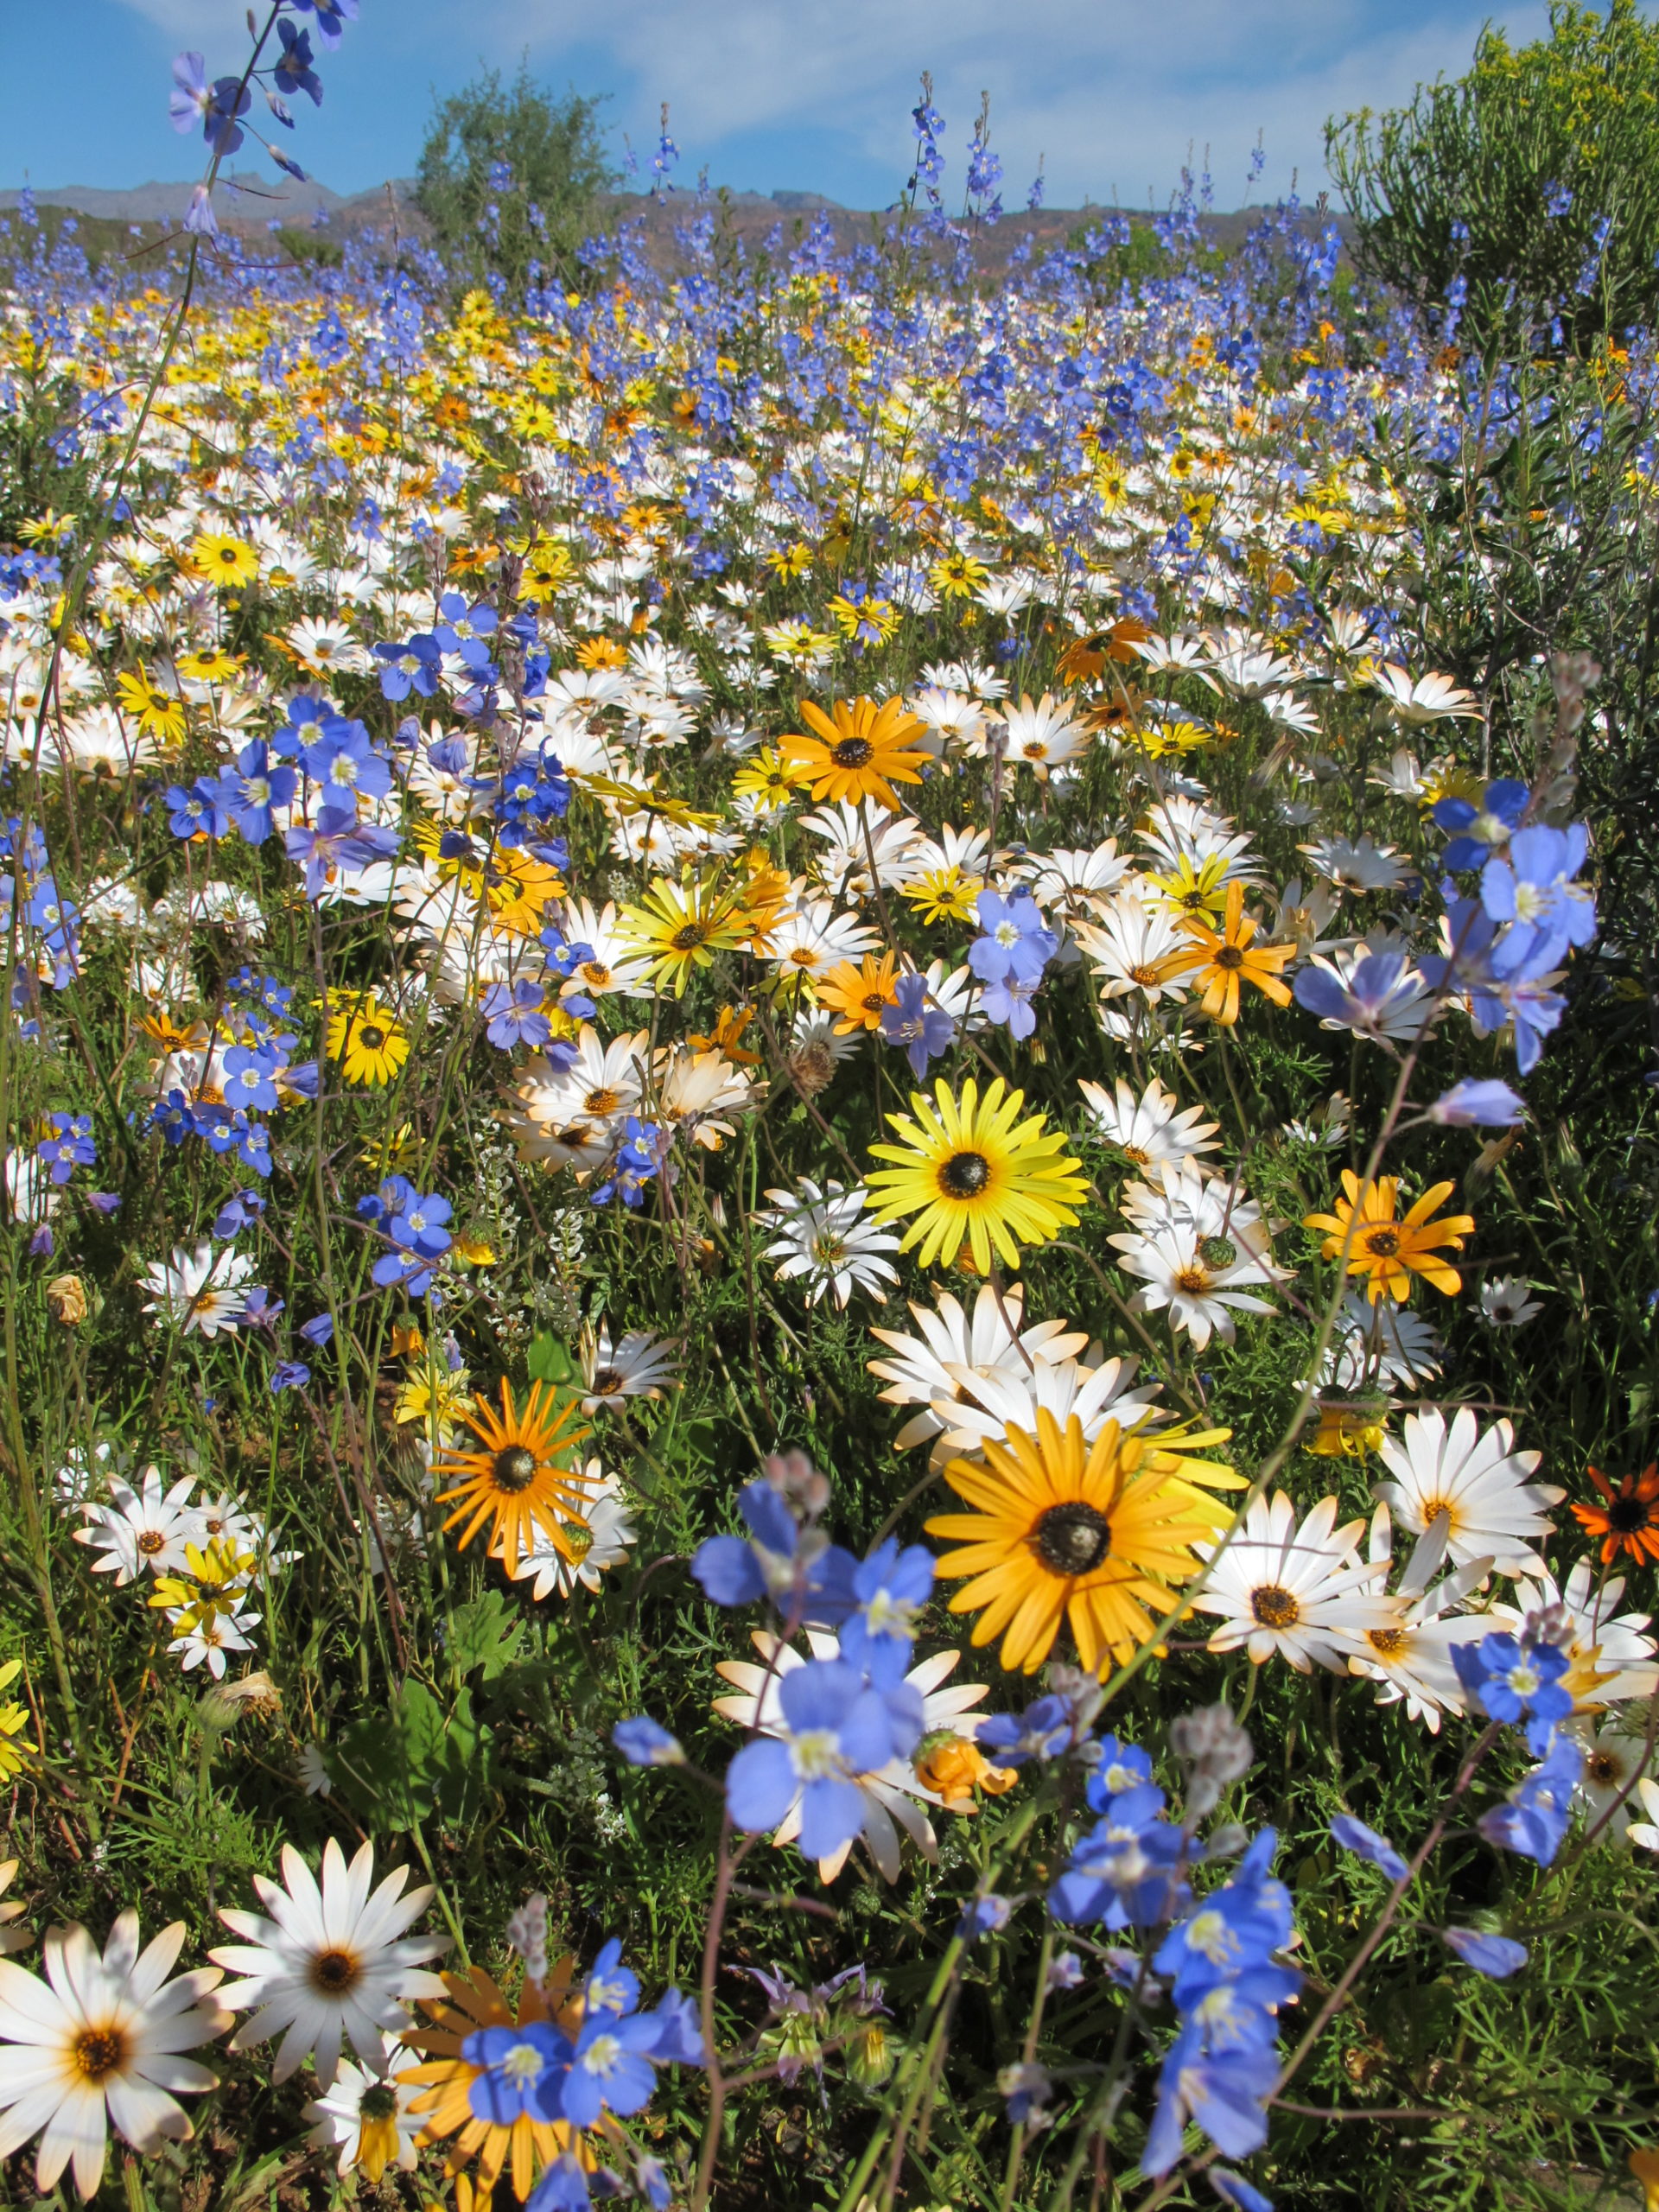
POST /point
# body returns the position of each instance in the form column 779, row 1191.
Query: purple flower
column 191, row 97
column 1477, row 1103
column 1043, row 1731
column 987, row 1915
column 1233, row 2188
column 293, row 73
column 248, row 1078
column 1354, row 1835
column 925, row 1032
column 1498, row 1957
column 318, row 1330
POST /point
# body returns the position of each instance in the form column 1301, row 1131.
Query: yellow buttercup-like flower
column 1099, row 1535
column 971, row 1169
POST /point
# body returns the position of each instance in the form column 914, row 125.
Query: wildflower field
column 831, row 1174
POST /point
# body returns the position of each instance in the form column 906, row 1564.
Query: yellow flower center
column 98, row 2052
column 1275, row 1608
column 1387, row 1642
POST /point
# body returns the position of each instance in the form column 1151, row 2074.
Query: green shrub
column 509, row 177
column 1575, row 113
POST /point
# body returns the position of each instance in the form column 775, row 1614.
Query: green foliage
column 494, row 226
column 1578, row 110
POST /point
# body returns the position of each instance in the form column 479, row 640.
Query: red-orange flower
column 1629, row 1521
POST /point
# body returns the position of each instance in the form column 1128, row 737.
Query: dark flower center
column 1229, row 956
column 873, row 1002
column 1193, row 1281
column 1273, row 1607
column 1627, row 1517
column 605, row 1384
column 513, row 1468
column 601, row 1101
column 333, row 1972
column 964, row 1175
column 1072, row 1539
column 377, row 2102
column 852, row 752
column 98, row 2052
column 369, row 1036
column 1603, row 1767
column 1382, row 1243
column 688, row 939
column 151, row 1541
column 1386, row 1641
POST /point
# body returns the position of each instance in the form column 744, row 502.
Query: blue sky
column 808, row 94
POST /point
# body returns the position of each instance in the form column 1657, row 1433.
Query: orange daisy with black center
column 521, row 1479
column 1627, row 1520
column 861, row 753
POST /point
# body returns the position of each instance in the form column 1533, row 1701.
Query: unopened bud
column 65, row 1300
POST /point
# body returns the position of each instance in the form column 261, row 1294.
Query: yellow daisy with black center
column 969, row 1168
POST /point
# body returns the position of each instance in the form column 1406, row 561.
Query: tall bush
column 1524, row 194
column 509, row 178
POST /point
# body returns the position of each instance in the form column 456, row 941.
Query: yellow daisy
column 365, row 1036
column 1100, row 1535
column 159, row 713
column 1388, row 1251
column 682, row 925
column 227, row 561
column 973, row 1169
column 520, row 1481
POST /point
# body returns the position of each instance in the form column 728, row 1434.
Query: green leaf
column 397, row 1766
column 485, row 1634
column 549, row 1362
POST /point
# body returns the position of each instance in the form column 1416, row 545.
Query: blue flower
column 834, row 1727
column 289, row 1374
column 1516, row 1680
column 890, row 1587
column 1233, row 2188
column 644, row 1742
column 1480, row 829
column 985, row 1915
column 197, row 812
column 1007, row 1002
column 523, row 2074
column 1477, row 1103
column 811, row 1586
column 248, row 1077
column 1014, row 945
column 1225, row 2091
column 293, row 73
column 609, row 2070
column 345, row 761
column 256, row 787
column 1533, row 891
column 1363, row 1003
column 191, row 96
column 1043, row 1731
column 1234, row 1930
column 924, row 1031
column 564, row 2185
column 318, row 1330
column 1496, row 1956
column 1118, row 1767
column 1535, row 1818
column 512, row 1013
column 1126, row 1871
column 463, row 629
column 1354, row 1835
column 414, row 666
column 68, row 1146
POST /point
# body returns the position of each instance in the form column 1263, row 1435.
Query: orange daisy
column 521, row 1480
column 860, row 996
column 1224, row 958
column 1629, row 1521
column 862, row 753
column 1387, row 1251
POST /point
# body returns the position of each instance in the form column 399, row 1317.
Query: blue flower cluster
column 1009, row 956
column 411, row 1222
column 534, row 2071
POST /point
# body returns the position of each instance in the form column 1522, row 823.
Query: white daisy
column 1507, row 1300
column 986, row 1402
column 1645, row 1833
column 1376, row 1347
column 615, row 965
column 641, row 1365
column 97, row 2042
column 989, row 1341
column 1478, row 1480
column 1411, row 1656
column 1613, row 1761
column 1128, row 945
column 368, row 2115
column 1427, row 700
column 1201, row 1280
column 1296, row 1589
column 143, row 1527
column 1042, row 735
column 1151, row 1129
column 329, row 1963
column 812, row 937
column 200, row 1290
column 1365, row 866
column 1609, row 1654
column 601, row 1540
column 819, row 1237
